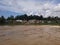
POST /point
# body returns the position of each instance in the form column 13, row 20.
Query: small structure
column 31, row 21
column 19, row 21
column 48, row 21
column 42, row 21
column 34, row 21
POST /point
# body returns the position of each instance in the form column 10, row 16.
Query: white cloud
column 45, row 8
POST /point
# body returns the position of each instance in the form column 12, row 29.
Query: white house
column 19, row 21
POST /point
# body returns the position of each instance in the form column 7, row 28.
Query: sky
column 30, row 7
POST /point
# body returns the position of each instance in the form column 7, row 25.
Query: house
column 42, row 21
column 48, row 21
column 34, row 21
column 19, row 21
column 31, row 21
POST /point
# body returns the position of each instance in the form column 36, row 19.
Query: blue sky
column 35, row 7
column 8, row 13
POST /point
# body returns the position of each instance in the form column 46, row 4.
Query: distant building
column 48, row 21
column 42, row 21
column 34, row 21
column 31, row 21
column 19, row 21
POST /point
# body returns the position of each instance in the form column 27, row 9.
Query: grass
column 12, row 24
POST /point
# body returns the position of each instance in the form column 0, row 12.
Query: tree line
column 10, row 19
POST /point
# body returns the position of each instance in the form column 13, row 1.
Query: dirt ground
column 30, row 35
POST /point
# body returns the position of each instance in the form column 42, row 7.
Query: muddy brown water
column 30, row 35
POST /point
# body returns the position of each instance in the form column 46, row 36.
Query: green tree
column 10, row 19
column 2, row 20
column 41, row 17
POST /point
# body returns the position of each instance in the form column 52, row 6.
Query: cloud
column 36, row 7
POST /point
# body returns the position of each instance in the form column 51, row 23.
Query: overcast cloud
column 36, row 7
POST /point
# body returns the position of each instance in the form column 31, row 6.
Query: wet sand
column 30, row 35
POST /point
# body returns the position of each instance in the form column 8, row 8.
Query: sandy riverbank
column 30, row 35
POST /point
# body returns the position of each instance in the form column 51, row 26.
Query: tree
column 56, row 19
column 2, row 20
column 10, row 18
column 25, row 17
column 21, row 17
column 41, row 17
column 49, row 18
